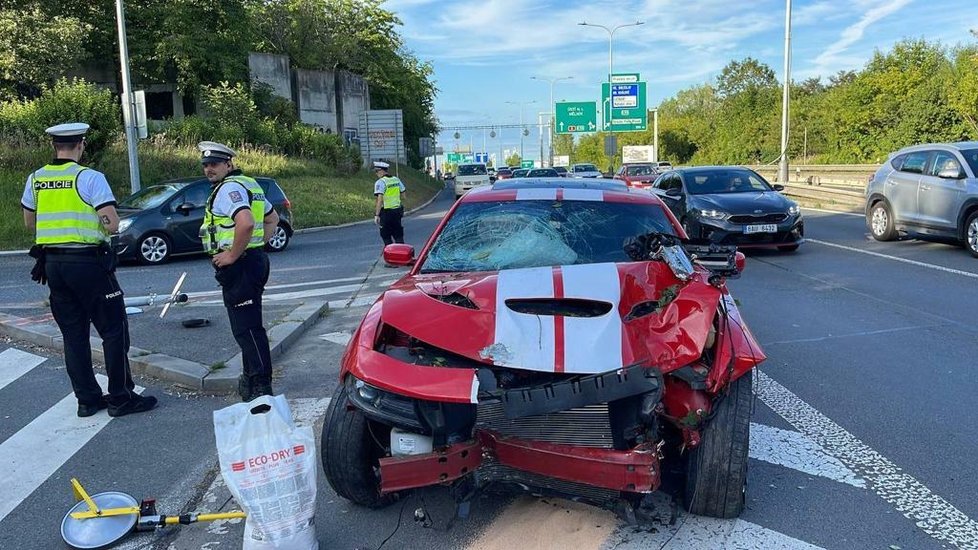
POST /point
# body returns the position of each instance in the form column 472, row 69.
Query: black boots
column 250, row 387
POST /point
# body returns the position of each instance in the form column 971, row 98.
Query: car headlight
column 794, row 210
column 124, row 224
column 714, row 214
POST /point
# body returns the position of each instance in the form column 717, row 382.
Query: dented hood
column 575, row 319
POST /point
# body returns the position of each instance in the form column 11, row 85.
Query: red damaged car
column 559, row 336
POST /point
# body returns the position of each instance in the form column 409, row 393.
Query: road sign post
column 575, row 117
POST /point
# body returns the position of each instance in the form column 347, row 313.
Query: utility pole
column 552, row 111
column 655, row 135
column 785, row 96
column 128, row 99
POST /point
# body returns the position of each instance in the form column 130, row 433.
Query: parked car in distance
column 469, row 176
column 732, row 205
column 504, row 173
column 928, row 190
column 584, row 171
column 542, row 173
column 662, row 166
column 164, row 219
column 561, row 171
column 637, row 174
column 540, row 343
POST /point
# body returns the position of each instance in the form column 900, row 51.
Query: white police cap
column 381, row 165
column 211, row 151
column 70, row 132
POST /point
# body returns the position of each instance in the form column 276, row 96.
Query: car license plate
column 761, row 228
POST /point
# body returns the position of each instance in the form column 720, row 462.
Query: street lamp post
column 611, row 35
column 785, row 96
column 521, row 104
column 128, row 100
column 553, row 114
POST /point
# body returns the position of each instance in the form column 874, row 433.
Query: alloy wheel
column 279, row 239
column 879, row 220
column 154, row 249
column 973, row 235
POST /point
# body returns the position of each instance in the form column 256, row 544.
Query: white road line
column 897, row 259
column 794, row 450
column 361, row 301
column 341, row 338
column 15, row 363
column 847, row 335
column 30, row 456
column 702, row 533
column 834, row 212
column 306, row 411
column 931, row 513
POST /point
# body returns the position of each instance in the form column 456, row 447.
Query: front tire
column 350, row 453
column 716, row 471
column 881, row 222
column 971, row 234
column 154, row 249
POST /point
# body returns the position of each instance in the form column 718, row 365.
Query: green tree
column 962, row 87
column 743, row 76
column 35, row 48
column 513, row 160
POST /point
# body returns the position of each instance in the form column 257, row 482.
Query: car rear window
column 971, row 157
column 639, row 170
column 585, row 168
column 472, row 170
column 489, row 236
column 914, row 162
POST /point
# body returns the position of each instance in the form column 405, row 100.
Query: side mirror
column 740, row 261
column 674, row 192
column 950, row 174
column 399, row 254
column 778, row 187
column 185, row 208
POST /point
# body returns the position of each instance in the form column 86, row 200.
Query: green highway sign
column 625, row 102
column 575, row 117
column 526, row 164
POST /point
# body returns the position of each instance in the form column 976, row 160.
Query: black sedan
column 731, row 205
column 164, row 219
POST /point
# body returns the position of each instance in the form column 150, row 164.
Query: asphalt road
column 862, row 437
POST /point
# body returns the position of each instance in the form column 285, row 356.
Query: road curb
column 182, row 372
column 362, row 222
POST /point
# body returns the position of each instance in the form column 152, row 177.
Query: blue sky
column 485, row 51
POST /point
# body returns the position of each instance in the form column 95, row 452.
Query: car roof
column 505, row 190
column 696, row 169
column 959, row 145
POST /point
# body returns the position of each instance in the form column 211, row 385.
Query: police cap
column 71, row 132
column 212, row 151
column 378, row 165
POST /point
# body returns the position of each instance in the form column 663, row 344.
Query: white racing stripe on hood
column 522, row 340
column 583, row 195
column 592, row 344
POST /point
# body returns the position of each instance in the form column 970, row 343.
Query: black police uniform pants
column 391, row 229
column 242, row 284
column 85, row 292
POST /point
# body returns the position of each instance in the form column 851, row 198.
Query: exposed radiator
column 584, row 427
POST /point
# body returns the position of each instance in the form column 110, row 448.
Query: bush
column 68, row 101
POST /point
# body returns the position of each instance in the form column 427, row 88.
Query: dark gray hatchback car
column 928, row 190
column 164, row 219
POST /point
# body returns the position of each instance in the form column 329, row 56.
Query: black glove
column 38, row 274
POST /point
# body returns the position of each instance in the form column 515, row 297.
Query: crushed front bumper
column 635, row 470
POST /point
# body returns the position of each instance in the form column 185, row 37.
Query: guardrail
column 821, row 174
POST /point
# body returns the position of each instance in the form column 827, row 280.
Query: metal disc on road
column 97, row 532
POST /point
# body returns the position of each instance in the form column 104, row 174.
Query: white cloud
column 832, row 58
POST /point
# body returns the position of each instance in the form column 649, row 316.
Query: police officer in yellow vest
column 389, row 209
column 238, row 220
column 71, row 211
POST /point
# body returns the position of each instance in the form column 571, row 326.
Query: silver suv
column 926, row 190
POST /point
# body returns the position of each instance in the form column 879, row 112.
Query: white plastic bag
column 269, row 466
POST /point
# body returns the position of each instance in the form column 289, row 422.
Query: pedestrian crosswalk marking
column 15, row 363
column 30, row 456
column 794, row 450
column 341, row 338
